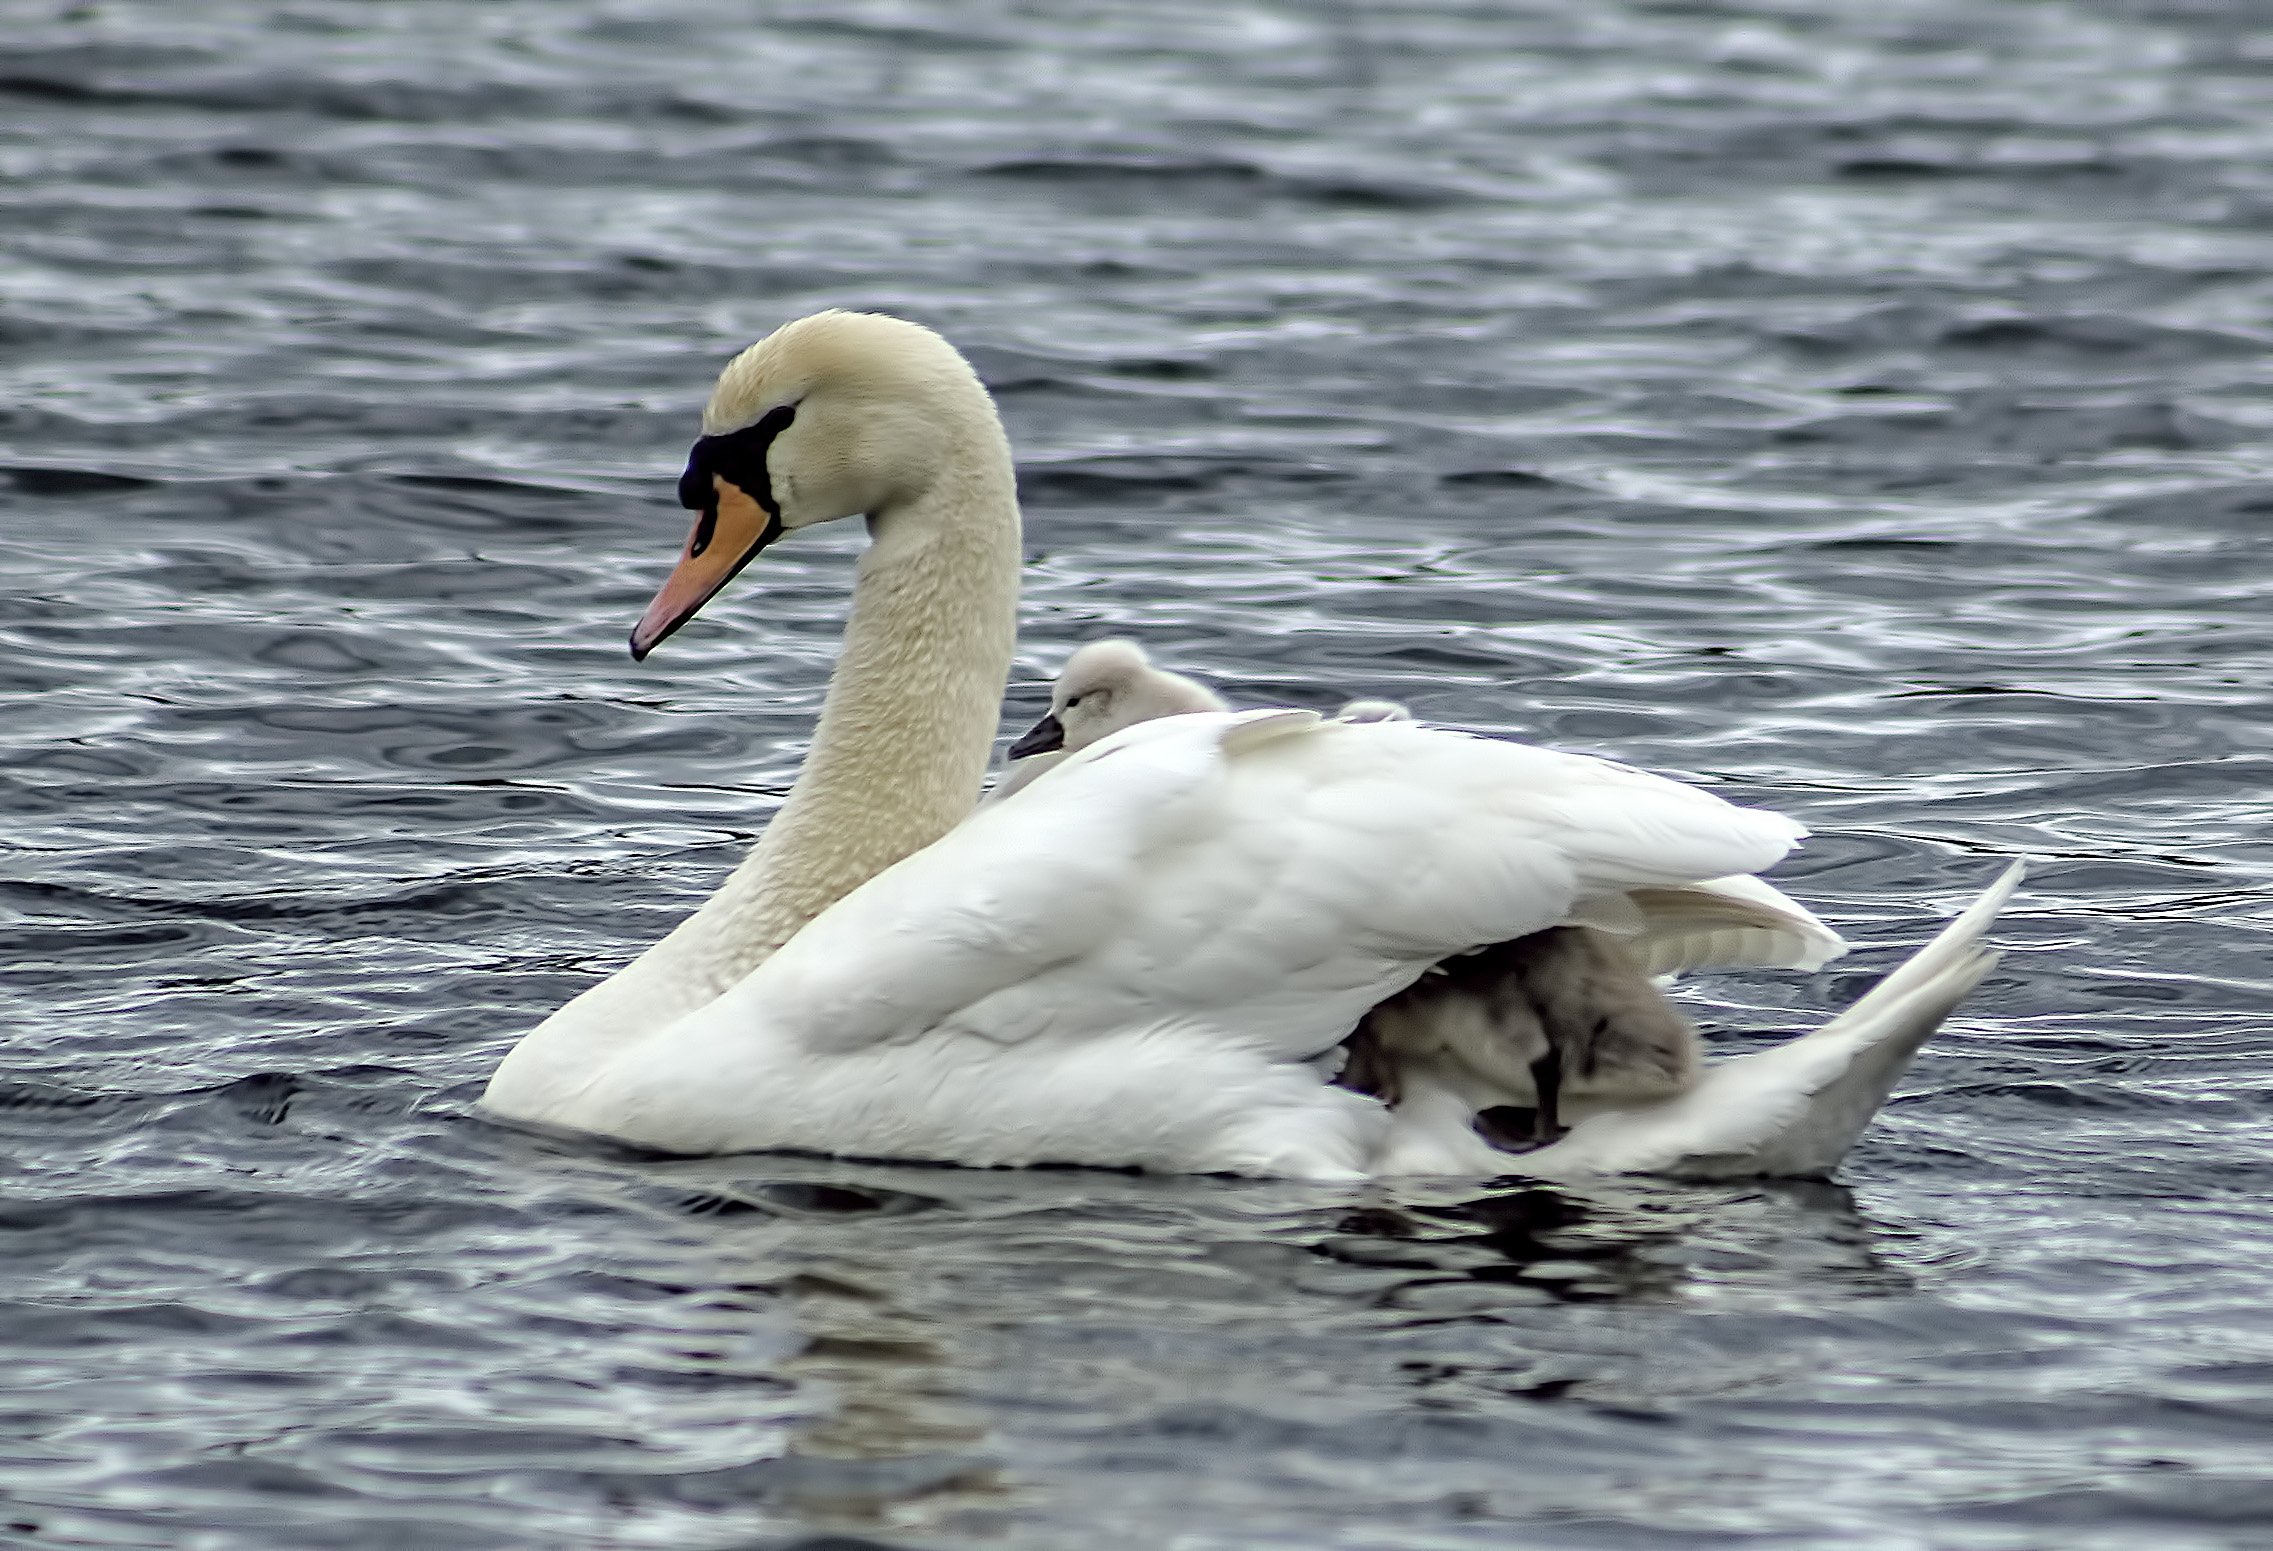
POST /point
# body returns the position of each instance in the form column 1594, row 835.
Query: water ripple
column 1862, row 411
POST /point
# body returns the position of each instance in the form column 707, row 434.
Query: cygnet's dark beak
column 1046, row 736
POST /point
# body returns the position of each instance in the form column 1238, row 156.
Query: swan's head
column 1373, row 711
column 836, row 415
column 1106, row 686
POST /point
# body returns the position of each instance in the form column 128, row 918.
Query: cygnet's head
column 1104, row 687
column 1373, row 711
column 837, row 415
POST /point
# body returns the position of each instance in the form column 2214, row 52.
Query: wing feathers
column 1269, row 871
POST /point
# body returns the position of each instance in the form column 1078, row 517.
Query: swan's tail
column 1796, row 1108
column 1846, row 1069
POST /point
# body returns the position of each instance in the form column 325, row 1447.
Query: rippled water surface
column 1862, row 409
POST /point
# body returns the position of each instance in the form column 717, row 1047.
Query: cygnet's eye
column 1076, row 700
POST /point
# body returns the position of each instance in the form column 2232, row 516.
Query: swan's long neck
column 908, row 726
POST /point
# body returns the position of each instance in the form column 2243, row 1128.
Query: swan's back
column 1266, row 872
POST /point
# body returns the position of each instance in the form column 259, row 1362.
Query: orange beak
column 726, row 538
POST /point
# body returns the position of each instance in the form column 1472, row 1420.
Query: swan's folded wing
column 1260, row 873
column 1494, row 840
column 1333, row 863
column 1013, row 891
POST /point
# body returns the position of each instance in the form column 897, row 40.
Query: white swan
column 1137, row 961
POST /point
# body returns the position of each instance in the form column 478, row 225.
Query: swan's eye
column 1076, row 700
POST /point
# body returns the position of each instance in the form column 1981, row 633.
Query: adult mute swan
column 1143, row 959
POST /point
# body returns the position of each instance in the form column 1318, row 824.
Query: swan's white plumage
column 1721, row 923
column 1158, row 936
column 1145, row 958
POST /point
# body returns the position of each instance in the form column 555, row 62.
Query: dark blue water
column 1862, row 409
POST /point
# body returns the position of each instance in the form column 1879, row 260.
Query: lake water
column 1860, row 409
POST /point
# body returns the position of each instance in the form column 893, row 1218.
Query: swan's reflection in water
column 958, row 1337
column 1630, row 1300
column 817, row 1284
column 1621, row 1241
column 894, row 1447
column 884, row 1443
